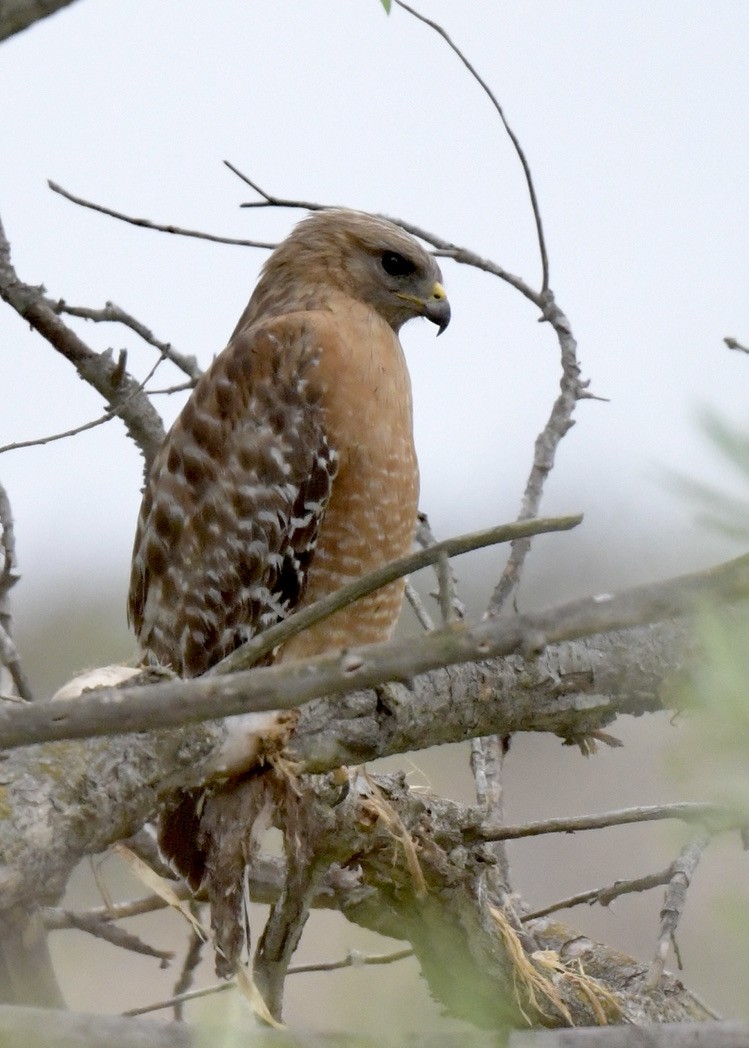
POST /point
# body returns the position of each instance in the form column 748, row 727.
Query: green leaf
column 387, row 4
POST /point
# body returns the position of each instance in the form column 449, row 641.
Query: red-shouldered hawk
column 291, row 470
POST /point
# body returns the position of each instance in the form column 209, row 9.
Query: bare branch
column 417, row 605
column 52, row 437
column 118, row 388
column 451, row 606
column 674, row 902
column 547, row 442
column 255, row 648
column 190, row 963
column 116, row 936
column 106, row 417
column 733, row 343
column 181, row 998
column 55, row 918
column 605, row 896
column 269, row 200
column 686, row 811
column 59, row 1029
column 512, row 136
column 78, row 816
column 167, row 391
column 289, row 685
column 353, row 959
column 147, row 224
column 114, row 314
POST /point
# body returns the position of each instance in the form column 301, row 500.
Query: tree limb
column 253, row 650
column 30, row 1027
column 289, row 685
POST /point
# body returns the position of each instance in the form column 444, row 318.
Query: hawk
column 291, row 471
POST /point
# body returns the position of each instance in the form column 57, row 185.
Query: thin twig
column 547, row 442
column 353, row 959
column 180, row 999
column 734, row 343
column 55, row 918
column 417, row 605
column 115, row 935
column 512, row 136
column 52, row 437
column 703, row 1004
column 116, row 412
column 674, row 902
column 451, row 606
column 685, row 811
column 255, row 648
column 112, row 313
column 180, row 388
column 158, row 227
column 269, row 200
column 189, row 965
column 444, row 593
column 605, row 895
column 442, row 248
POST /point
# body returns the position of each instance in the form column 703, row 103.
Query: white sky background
column 634, row 120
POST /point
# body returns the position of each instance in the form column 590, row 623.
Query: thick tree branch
column 57, row 1029
column 289, row 685
column 60, row 787
column 61, row 803
column 103, row 789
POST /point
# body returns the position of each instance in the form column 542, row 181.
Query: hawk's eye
column 396, row 265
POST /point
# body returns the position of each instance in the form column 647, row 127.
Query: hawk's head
column 368, row 258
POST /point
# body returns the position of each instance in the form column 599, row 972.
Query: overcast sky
column 633, row 117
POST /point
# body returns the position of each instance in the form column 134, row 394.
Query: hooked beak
column 437, row 308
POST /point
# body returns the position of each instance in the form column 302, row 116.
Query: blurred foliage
column 717, row 509
column 712, row 753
